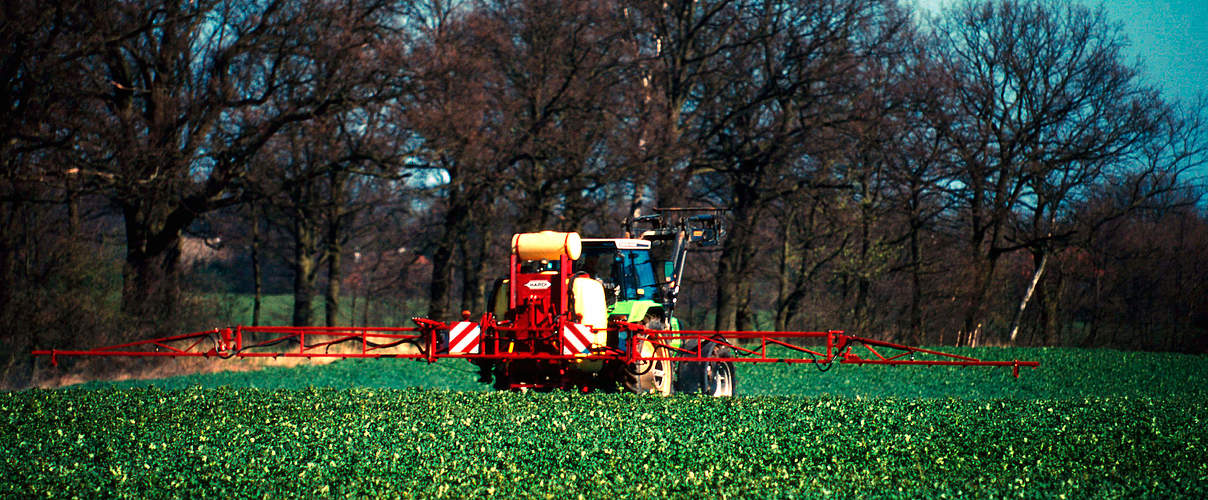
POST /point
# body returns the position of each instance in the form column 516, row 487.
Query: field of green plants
column 1087, row 424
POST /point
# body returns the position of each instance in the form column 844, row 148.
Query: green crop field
column 1086, row 424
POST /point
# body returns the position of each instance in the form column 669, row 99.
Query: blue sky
column 1170, row 37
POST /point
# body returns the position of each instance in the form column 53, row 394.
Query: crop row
column 386, row 442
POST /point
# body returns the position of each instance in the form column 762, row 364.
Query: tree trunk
column 1039, row 259
column 865, row 267
column 1092, row 327
column 783, row 278
column 635, row 207
column 72, row 199
column 733, row 274
column 8, row 254
column 331, row 301
column 727, row 288
column 334, row 248
column 985, row 266
column 468, row 267
column 728, row 274
column 916, row 287
column 150, row 273
column 1050, row 300
column 473, row 284
column 442, row 257
column 305, row 272
column 438, row 290
column 670, row 180
column 150, row 290
column 257, row 276
column 744, row 317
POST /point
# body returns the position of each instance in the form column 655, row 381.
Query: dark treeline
column 996, row 173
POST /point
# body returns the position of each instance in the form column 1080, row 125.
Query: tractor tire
column 719, row 376
column 644, row 377
column 502, row 379
column 713, row 378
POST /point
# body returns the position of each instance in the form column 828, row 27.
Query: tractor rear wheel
column 649, row 376
column 719, row 376
column 714, row 378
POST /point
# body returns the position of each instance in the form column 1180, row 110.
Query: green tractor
column 642, row 279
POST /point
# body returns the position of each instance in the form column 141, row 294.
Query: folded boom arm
column 499, row 342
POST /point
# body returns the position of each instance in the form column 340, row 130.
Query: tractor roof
column 618, row 243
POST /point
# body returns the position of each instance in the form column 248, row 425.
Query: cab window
column 627, row 271
column 639, row 275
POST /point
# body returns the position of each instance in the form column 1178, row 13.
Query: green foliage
column 1071, row 428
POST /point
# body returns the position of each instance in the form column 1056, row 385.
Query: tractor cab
column 624, row 266
column 641, row 276
column 636, row 282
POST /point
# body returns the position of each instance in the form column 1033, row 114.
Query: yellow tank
column 546, row 245
column 590, row 305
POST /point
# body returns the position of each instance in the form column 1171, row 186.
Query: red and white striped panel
column 576, row 339
column 464, row 338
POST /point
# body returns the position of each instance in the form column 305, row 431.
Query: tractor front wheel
column 654, row 376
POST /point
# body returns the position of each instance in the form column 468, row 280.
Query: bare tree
column 810, row 238
column 766, row 125
column 1042, row 103
column 449, row 115
column 555, row 139
column 507, row 119
column 180, row 97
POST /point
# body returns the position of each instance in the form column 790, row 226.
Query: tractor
column 640, row 278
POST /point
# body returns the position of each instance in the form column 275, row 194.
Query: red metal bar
column 939, row 362
column 165, row 339
column 512, row 268
column 563, row 284
column 194, row 344
column 157, row 344
column 833, row 339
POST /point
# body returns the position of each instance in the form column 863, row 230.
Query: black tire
column 688, row 376
column 645, row 377
column 714, row 378
column 503, row 381
column 719, row 376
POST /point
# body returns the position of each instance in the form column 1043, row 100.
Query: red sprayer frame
column 543, row 342
column 497, row 343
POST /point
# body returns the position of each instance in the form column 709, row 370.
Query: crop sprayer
column 573, row 313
